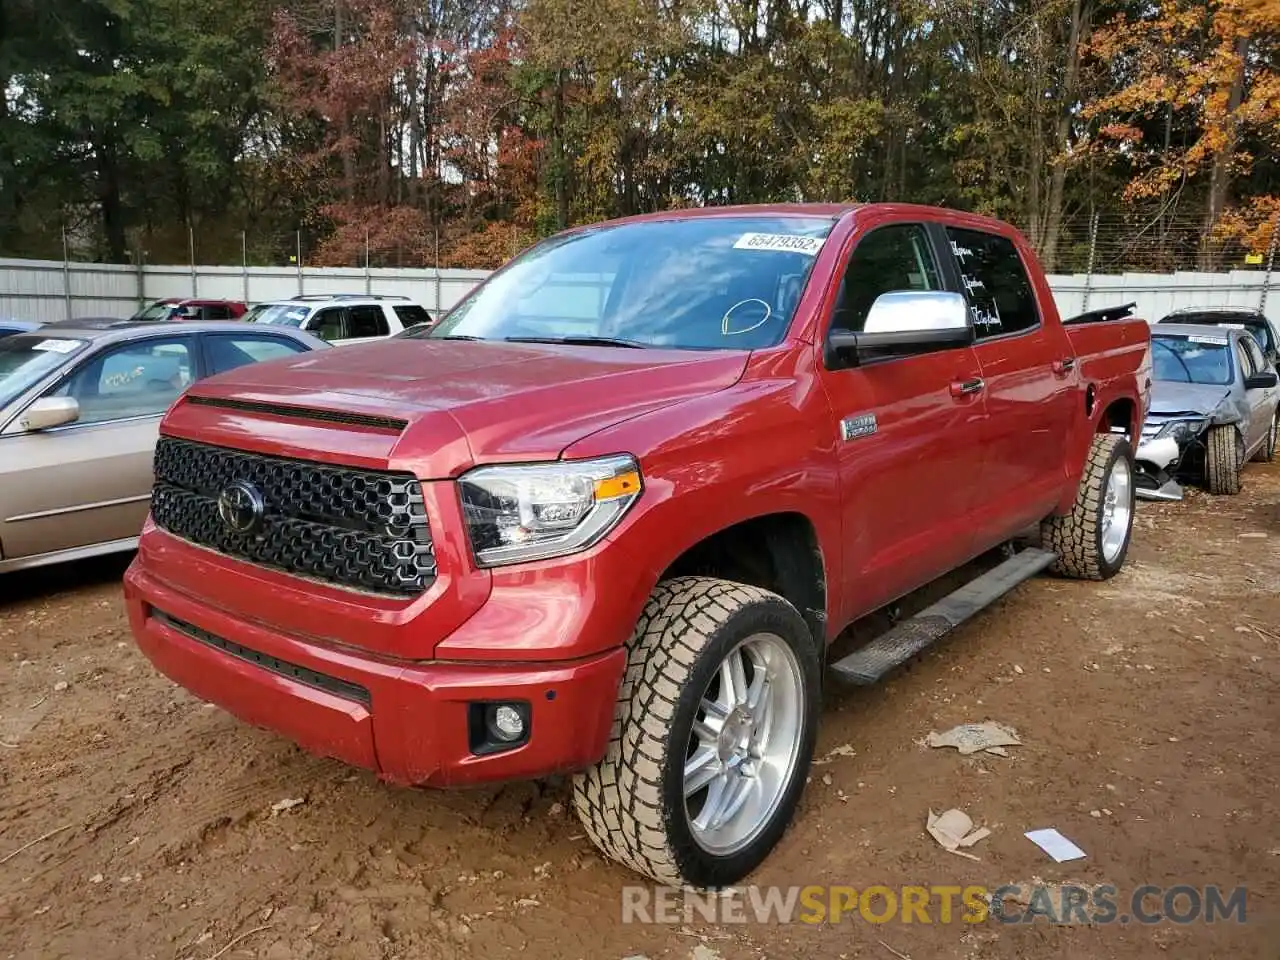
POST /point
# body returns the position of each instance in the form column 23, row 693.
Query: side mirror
column 49, row 412
column 1261, row 381
column 904, row 323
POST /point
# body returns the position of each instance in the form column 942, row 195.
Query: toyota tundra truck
column 607, row 516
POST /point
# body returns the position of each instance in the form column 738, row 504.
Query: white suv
column 343, row 318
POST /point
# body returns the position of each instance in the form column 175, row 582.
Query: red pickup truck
column 606, row 517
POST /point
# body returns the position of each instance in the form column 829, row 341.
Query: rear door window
column 995, row 282
column 227, row 351
column 216, row 311
column 367, row 321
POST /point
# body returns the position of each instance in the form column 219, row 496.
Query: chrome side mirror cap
column 49, row 412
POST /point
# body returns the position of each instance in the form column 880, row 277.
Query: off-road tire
column 1222, row 460
column 1267, row 452
column 632, row 802
column 1077, row 537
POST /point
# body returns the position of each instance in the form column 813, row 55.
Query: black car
column 1264, row 330
column 9, row 327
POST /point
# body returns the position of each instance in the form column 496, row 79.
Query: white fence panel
column 1157, row 294
column 49, row 290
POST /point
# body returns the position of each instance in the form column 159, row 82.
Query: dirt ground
column 1147, row 706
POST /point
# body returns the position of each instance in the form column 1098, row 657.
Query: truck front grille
column 360, row 529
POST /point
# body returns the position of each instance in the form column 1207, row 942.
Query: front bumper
column 1156, row 462
column 406, row 720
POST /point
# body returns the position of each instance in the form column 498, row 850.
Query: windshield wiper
column 583, row 341
column 449, row 336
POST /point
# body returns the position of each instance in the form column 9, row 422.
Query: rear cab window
column 995, row 281
column 367, row 320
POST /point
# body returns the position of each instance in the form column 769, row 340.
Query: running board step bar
column 907, row 638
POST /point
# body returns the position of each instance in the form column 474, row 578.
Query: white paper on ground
column 1055, row 845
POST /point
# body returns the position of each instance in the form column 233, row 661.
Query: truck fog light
column 506, row 723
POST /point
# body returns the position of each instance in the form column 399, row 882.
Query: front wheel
column 713, row 735
column 1092, row 541
column 1224, row 458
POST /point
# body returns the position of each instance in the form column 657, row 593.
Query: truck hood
column 467, row 402
column 1168, row 396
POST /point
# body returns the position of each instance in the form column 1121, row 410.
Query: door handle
column 964, row 388
column 1064, row 366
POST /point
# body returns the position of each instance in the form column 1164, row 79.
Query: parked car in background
column 1213, row 406
column 80, row 403
column 176, row 308
column 8, row 326
column 606, row 517
column 343, row 319
column 1264, row 329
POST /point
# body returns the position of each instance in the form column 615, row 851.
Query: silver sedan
column 1213, row 407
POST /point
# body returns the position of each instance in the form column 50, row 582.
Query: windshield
column 1260, row 329
column 157, row 311
column 700, row 283
column 26, row 358
column 1204, row 359
column 277, row 314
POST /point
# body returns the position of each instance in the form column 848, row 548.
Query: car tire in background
column 1267, row 452
column 1092, row 540
column 1223, row 459
column 713, row 734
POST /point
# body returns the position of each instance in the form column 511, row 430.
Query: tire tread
column 1222, row 463
column 1074, row 537
column 619, row 801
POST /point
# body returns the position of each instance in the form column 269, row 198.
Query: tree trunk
column 112, row 205
column 1220, row 174
column 558, row 152
column 1081, row 18
column 344, row 129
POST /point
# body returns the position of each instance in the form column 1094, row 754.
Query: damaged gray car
column 1214, row 401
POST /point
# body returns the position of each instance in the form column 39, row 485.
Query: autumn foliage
column 415, row 132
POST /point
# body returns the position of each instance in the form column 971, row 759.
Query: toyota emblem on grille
column 240, row 506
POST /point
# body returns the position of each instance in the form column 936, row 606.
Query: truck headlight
column 535, row 511
column 1183, row 430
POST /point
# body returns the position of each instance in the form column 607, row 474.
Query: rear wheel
column 712, row 738
column 1224, row 456
column 1093, row 539
column 1267, row 452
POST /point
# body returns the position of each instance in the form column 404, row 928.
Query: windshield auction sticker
column 57, row 346
column 1211, row 341
column 779, row 243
